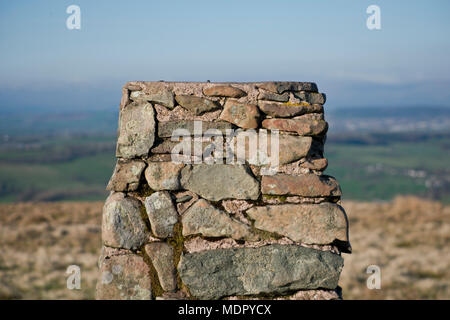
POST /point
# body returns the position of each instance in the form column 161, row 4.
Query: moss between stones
column 177, row 243
column 156, row 288
column 301, row 104
column 272, row 197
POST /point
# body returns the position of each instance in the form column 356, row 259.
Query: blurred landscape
column 375, row 153
column 392, row 164
column 407, row 238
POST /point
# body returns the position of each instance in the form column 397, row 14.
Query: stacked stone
column 197, row 230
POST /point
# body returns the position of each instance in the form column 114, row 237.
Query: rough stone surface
column 282, row 86
column 123, row 277
column 136, row 130
column 166, row 128
column 162, row 214
column 307, row 223
column 270, row 269
column 197, row 105
column 220, row 181
column 179, row 295
column 167, row 146
column 224, row 91
column 163, row 175
column 290, row 148
column 299, row 295
column 122, row 225
column 162, row 258
column 276, row 109
column 311, row 97
column 126, row 176
column 189, row 197
column 300, row 126
column 268, row 95
column 243, row 115
column 308, row 185
column 315, row 164
column 164, row 97
column 180, row 113
column 202, row 218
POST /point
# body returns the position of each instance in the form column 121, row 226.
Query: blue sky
column 43, row 64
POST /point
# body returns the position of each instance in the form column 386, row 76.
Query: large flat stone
column 276, row 109
column 162, row 257
column 307, row 185
column 269, row 269
column 123, row 277
column 204, row 219
column 311, row 97
column 197, row 105
column 290, row 148
column 162, row 214
column 271, row 96
column 220, row 181
column 162, row 97
column 243, row 115
column 136, row 130
column 307, row 223
column 166, row 128
column 126, row 176
column 224, row 91
column 122, row 225
column 163, row 175
column 301, row 126
column 282, row 86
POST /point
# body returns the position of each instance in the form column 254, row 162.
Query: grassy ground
column 408, row 238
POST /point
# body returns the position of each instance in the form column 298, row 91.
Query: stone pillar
column 219, row 193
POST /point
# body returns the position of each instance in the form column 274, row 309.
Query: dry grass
column 408, row 238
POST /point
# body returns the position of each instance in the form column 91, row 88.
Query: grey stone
column 163, row 175
column 307, row 223
column 202, row 218
column 271, row 96
column 164, row 97
column 162, row 214
column 197, row 105
column 220, row 181
column 183, row 198
column 214, row 274
column 126, row 176
column 136, row 130
column 276, row 109
column 311, row 97
column 122, row 225
column 280, row 87
column 123, row 276
column 166, row 128
column 162, row 257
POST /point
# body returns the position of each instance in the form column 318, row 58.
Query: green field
column 379, row 172
column 78, row 167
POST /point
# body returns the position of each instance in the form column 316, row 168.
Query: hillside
column 408, row 238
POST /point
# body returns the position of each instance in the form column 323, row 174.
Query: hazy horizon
column 45, row 64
